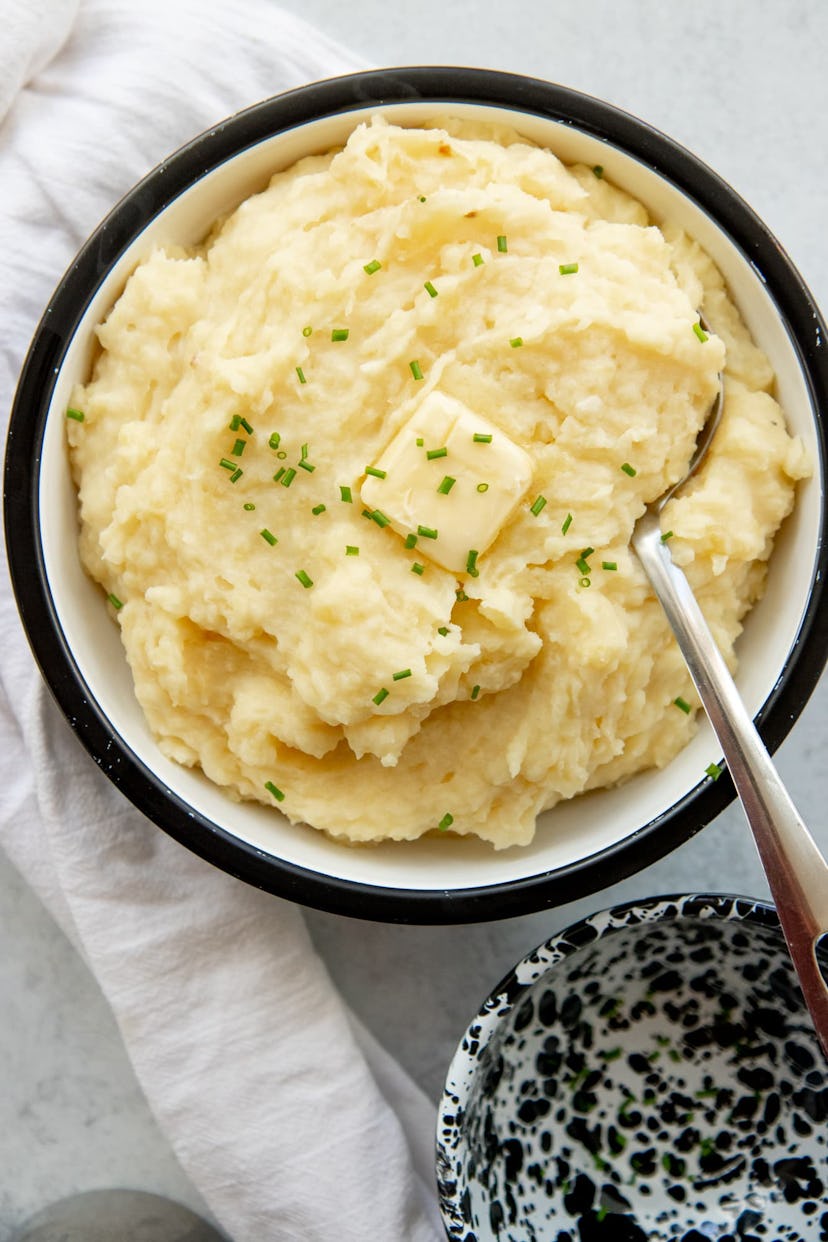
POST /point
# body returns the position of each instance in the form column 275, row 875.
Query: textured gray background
column 743, row 85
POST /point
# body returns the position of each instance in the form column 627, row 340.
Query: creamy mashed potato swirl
column 290, row 625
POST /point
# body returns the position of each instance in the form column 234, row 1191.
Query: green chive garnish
column 281, row 454
column 714, row 771
column 377, row 474
column 598, row 169
column 683, row 705
column 345, row 495
column 411, row 540
column 502, row 244
column 235, row 422
column 419, row 441
column 583, row 565
column 477, row 259
column 401, row 675
column 427, row 532
column 77, row 415
column 421, row 198
column 277, row 793
column 268, row 537
column 340, row 334
column 301, row 375
column 516, row 342
column 373, row 266
column 114, row 601
column 249, row 506
column 245, row 425
column 628, row 469
column 446, row 485
column 416, row 369
column 226, row 464
column 351, row 550
column 317, row 509
column 430, row 290
column 277, row 476
column 274, row 441
column 567, row 522
column 367, row 513
column 306, row 331
column 482, row 487
column 304, row 578
column 442, row 629
column 609, row 565
column 471, row 563
column 306, row 465
column 236, row 475
column 380, row 518
column 700, row 332
column 460, row 595
column 482, row 437
column 567, row 269
column 238, row 448
column 668, row 534
column 475, row 691
column 380, row 696
column 418, row 569
column 538, row 504
column 445, row 822
column 433, row 454
column 288, row 477
column 584, row 582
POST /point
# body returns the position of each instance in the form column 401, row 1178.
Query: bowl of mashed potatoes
column 319, row 515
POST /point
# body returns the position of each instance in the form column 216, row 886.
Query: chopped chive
column 317, row 509
column 418, row 569
column 471, row 563
column 377, row 474
column 445, row 822
column 628, row 469
column 303, row 452
column 401, row 675
column 281, row 454
column 304, row 578
column 567, row 269
column 446, row 485
column 430, row 290
column 380, row 518
column 700, row 332
column 668, row 534
column 609, row 565
column 345, row 495
column 226, row 464
column 277, row 476
column 433, row 454
column 460, row 595
column 236, row 475
column 268, row 537
column 502, row 244
column 482, row 487
column 598, row 169
column 351, row 550
column 584, row 582
column 427, row 532
column 421, row 198
column 477, row 260
column 306, row 465
column 714, row 771
column 235, row 422
column 516, row 342
column 587, row 552
column 307, row 330
column 114, row 601
column 274, row 441
column 442, row 629
column 682, row 705
column 416, row 369
column 249, row 506
column 583, row 565
column 567, row 522
column 373, row 266
column 340, row 334
column 367, row 513
column 482, row 437
column 537, row 505
column 273, row 789
column 380, row 696
column 301, row 375
column 238, row 448
column 77, row 415
column 411, row 540
column 288, row 477
column 419, row 441
column 475, row 691
column 245, row 425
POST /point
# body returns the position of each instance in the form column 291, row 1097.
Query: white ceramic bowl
column 581, row 845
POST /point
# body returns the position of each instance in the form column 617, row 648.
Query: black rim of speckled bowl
column 22, row 469
column 543, row 960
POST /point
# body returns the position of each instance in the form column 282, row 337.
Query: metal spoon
column 796, row 871
column 117, row 1216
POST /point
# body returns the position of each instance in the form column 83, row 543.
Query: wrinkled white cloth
column 289, row 1118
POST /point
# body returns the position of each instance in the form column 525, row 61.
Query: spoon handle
column 796, row 871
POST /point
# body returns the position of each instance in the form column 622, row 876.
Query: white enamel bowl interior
column 574, row 831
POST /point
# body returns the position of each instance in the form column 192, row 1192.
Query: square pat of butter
column 451, row 472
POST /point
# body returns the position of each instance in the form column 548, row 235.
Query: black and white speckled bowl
column 650, row 1075
column 582, row 845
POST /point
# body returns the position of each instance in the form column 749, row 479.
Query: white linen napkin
column 289, row 1118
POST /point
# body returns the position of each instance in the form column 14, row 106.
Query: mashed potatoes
column 359, row 475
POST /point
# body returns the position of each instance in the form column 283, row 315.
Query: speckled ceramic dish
column 651, row 1075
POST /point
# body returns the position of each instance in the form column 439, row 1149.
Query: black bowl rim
column 128, row 218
